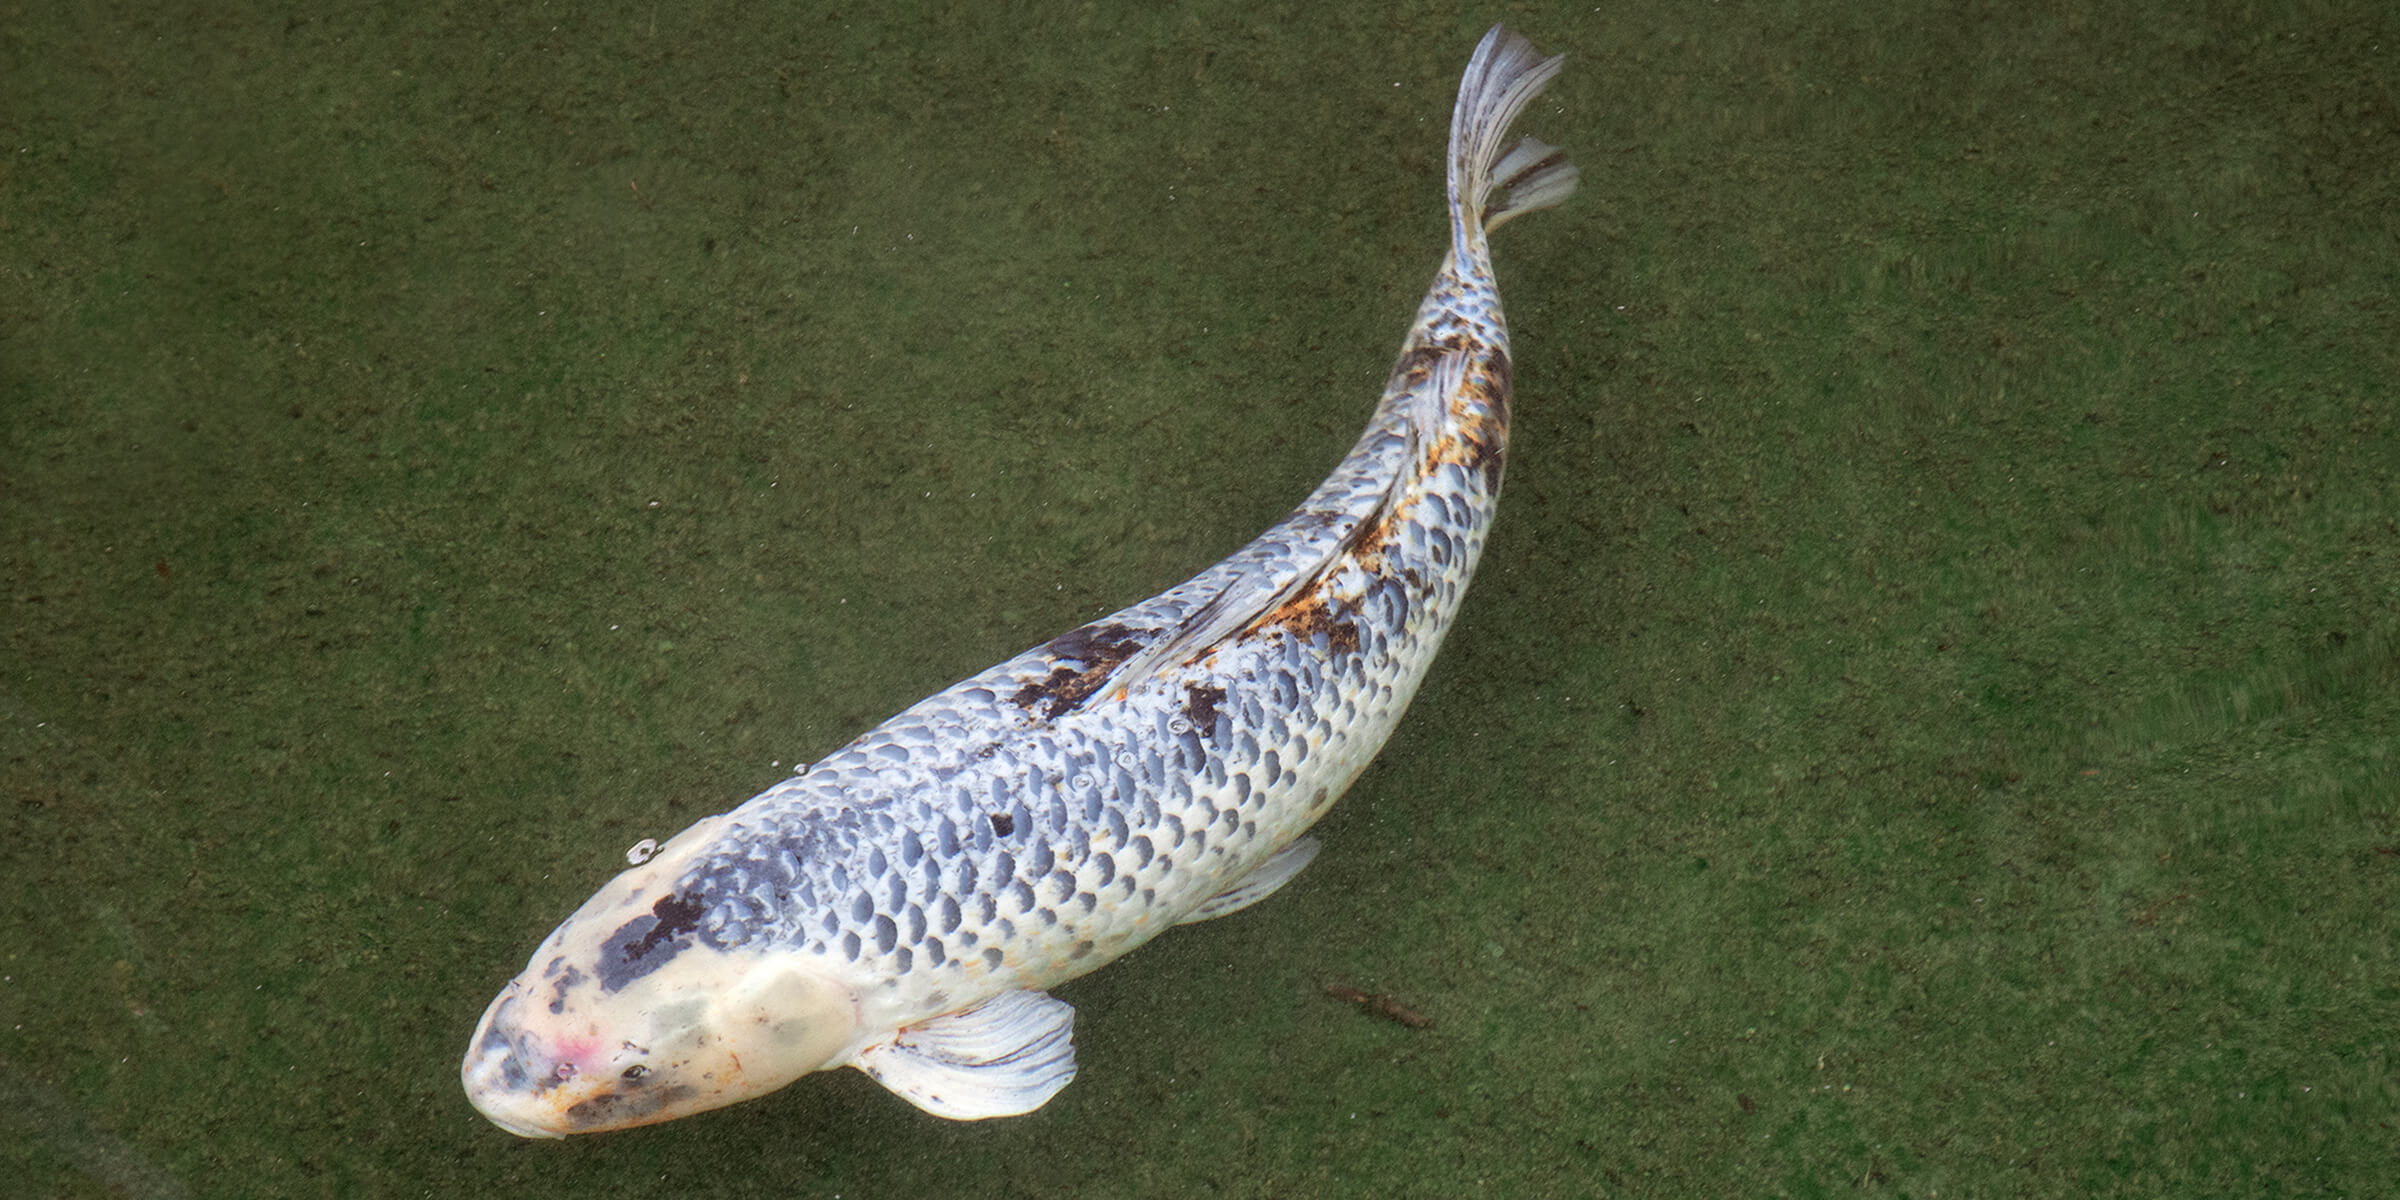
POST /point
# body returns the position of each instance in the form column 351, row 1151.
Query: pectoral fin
column 1258, row 884
column 1005, row 1056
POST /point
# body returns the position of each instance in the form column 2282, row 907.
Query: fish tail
column 1503, row 77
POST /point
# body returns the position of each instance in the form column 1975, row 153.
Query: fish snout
column 524, row 1081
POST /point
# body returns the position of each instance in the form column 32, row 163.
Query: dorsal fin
column 1251, row 594
column 1237, row 604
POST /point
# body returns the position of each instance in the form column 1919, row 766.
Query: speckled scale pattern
column 901, row 906
column 1038, row 820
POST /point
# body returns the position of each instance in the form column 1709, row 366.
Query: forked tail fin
column 1503, row 77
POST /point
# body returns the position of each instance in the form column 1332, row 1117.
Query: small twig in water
column 1381, row 1005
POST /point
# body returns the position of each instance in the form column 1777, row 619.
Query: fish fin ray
column 1001, row 1058
column 1503, row 77
column 1248, row 594
column 1259, row 884
column 1533, row 175
column 1429, row 407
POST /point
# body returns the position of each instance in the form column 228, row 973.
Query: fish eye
column 634, row 1072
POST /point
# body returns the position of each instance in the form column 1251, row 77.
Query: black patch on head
column 674, row 916
column 564, row 982
column 644, row 944
column 1003, row 824
column 1200, row 707
column 1095, row 652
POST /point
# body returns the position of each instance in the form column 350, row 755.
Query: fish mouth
column 519, row 1128
column 524, row 1083
column 557, row 1111
column 507, row 1079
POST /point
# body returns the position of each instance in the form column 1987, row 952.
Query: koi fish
column 903, row 905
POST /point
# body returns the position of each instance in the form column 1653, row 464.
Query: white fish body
column 901, row 905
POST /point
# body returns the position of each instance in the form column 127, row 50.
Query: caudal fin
column 1503, row 77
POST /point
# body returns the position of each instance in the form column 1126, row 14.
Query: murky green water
column 1925, row 725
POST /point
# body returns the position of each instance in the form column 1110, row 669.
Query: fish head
column 626, row 1016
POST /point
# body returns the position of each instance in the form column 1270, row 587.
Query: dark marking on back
column 1477, row 418
column 1503, row 384
column 645, row 943
column 1491, row 451
column 675, row 916
column 1476, row 436
column 1490, row 458
column 1003, row 824
column 1310, row 613
column 1416, row 362
column 1365, row 540
column 1200, row 707
column 1098, row 649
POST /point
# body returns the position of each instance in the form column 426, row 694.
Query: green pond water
column 1928, row 723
